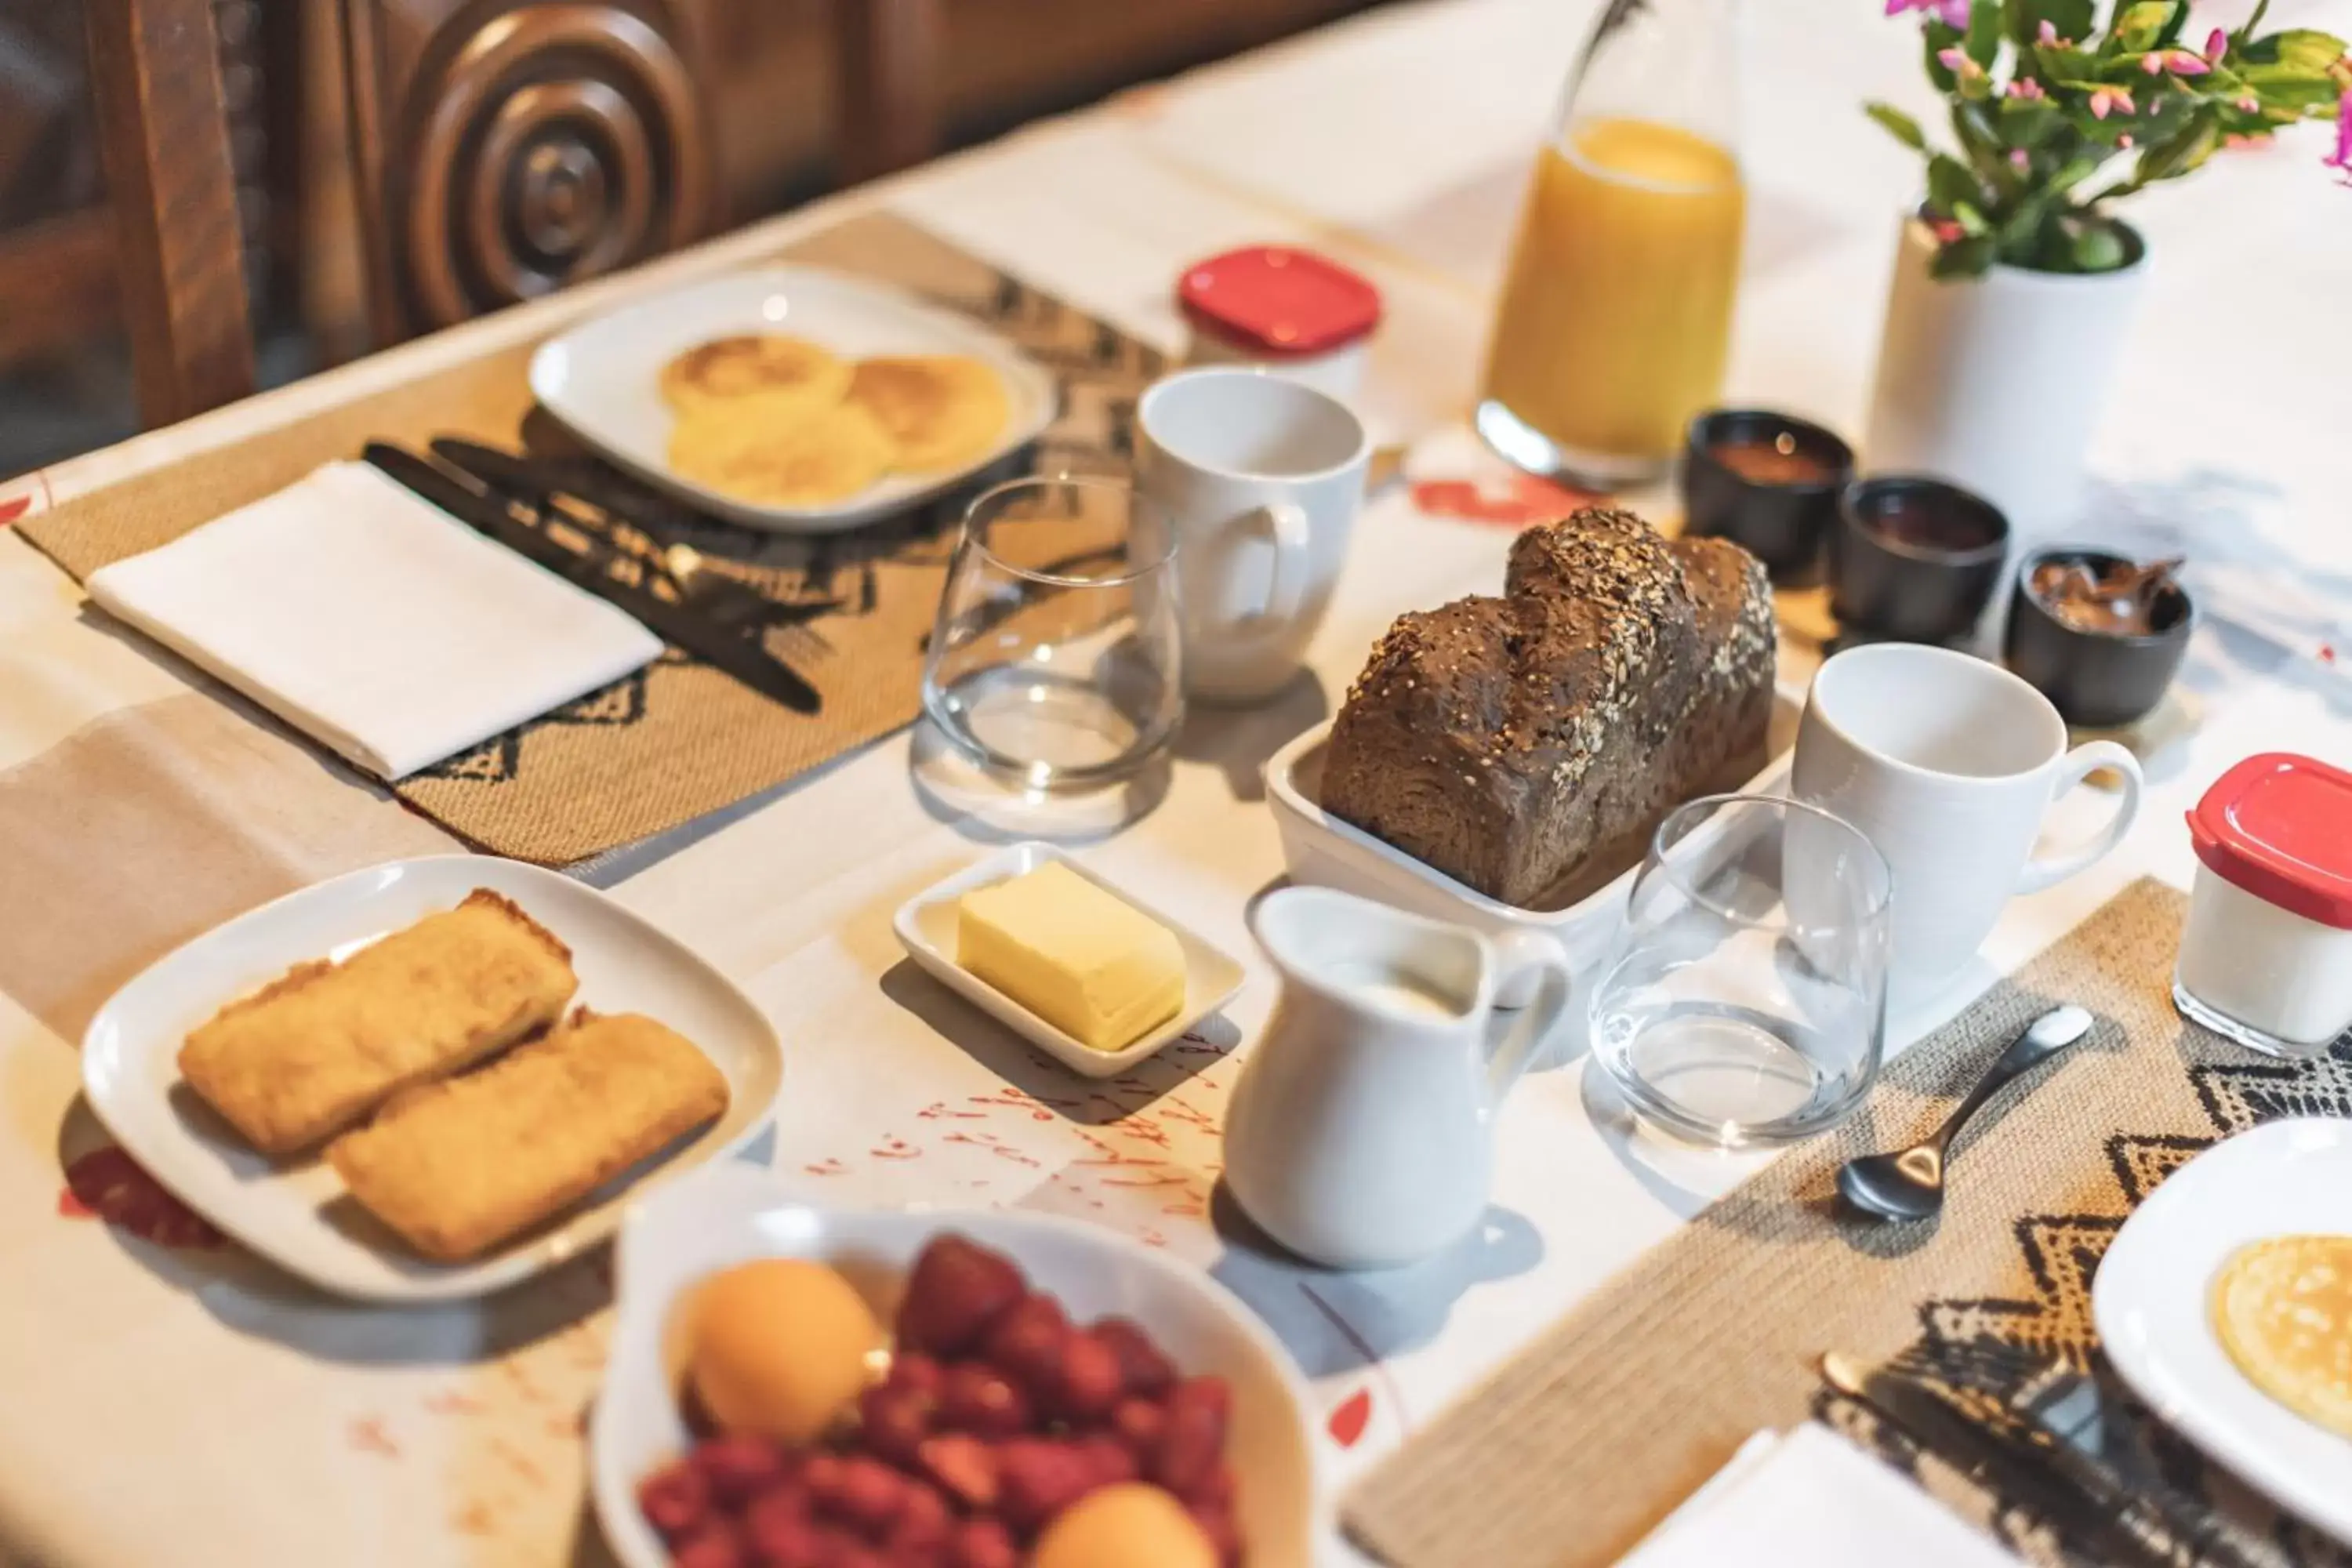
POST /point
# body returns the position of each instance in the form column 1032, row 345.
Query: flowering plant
column 2054, row 118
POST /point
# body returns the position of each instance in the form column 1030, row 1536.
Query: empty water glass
column 1057, row 658
column 1745, row 1002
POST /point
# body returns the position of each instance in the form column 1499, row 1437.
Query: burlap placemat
column 1581, row 1443
column 679, row 739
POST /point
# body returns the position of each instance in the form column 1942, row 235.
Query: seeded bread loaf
column 1505, row 741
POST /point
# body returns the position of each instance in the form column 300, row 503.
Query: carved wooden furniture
column 504, row 150
column 889, row 81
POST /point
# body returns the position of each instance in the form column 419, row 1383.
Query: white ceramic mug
column 1948, row 764
column 1361, row 1133
column 1262, row 476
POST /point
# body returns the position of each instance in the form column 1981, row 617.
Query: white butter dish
column 1582, row 916
column 926, row 925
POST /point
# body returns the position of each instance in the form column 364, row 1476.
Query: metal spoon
column 1909, row 1184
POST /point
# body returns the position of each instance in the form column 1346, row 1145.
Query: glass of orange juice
column 1615, row 317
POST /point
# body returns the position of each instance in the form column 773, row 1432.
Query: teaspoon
column 1909, row 1184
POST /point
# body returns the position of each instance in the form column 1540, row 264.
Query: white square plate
column 2152, row 1300
column 601, row 380
column 926, row 925
column 296, row 1214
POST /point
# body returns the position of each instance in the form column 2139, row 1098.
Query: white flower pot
column 1997, row 382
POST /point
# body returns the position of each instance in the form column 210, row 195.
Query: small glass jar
column 2267, row 959
column 1286, row 310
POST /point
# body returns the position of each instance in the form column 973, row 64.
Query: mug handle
column 1516, row 953
column 2043, row 871
column 1283, row 525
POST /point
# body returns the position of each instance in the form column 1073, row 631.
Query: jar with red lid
column 1287, row 310
column 2267, row 956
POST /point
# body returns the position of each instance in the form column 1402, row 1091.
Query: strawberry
column 963, row 1466
column 1086, row 1383
column 977, row 1398
column 894, row 1421
column 781, row 1532
column 1142, row 1368
column 956, row 1291
column 1216, row 1522
column 739, row 1467
column 915, row 1371
column 982, row 1543
column 839, row 1548
column 674, row 1501
column 1193, row 1440
column 1041, row 1477
column 1108, row 1460
column 1026, row 1344
column 716, row 1544
column 923, row 1523
column 1138, row 1423
column 869, row 1495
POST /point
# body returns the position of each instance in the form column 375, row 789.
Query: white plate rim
column 1012, row 862
column 544, row 1248
column 2180, row 1228
column 1032, row 384
column 737, row 1195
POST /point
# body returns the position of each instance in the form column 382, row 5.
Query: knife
column 505, row 521
column 2004, row 1464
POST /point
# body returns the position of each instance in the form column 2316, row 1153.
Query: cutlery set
column 592, row 532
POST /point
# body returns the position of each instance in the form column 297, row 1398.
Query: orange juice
column 1616, row 315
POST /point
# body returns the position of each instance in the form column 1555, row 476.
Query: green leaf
column 1897, row 125
column 2280, row 87
column 2027, row 121
column 2069, row 18
column 1984, row 32
column 1980, row 143
column 2172, row 34
column 1967, row 257
column 2301, row 50
column 2137, row 26
column 1971, row 221
column 2182, row 152
column 1949, row 183
column 2099, row 248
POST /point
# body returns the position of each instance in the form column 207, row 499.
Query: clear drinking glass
column 1057, row 658
column 1746, row 1001
column 1615, row 317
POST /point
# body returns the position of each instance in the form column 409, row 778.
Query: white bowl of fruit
column 797, row 1386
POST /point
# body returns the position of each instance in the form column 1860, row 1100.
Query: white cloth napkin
column 1811, row 1499
column 372, row 621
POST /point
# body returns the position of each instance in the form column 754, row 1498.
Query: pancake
column 771, row 458
column 2283, row 1308
column 786, row 371
column 942, row 411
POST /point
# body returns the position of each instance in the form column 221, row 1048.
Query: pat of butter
column 1099, row 971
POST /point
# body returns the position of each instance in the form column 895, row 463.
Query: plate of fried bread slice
column 794, row 399
column 428, row 1079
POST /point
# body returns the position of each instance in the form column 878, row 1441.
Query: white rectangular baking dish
column 1582, row 914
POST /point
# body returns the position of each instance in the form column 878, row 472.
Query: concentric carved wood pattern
column 523, row 147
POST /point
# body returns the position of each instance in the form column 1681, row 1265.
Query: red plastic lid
column 2280, row 826
column 1279, row 301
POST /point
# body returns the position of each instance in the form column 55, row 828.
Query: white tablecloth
column 173, row 1405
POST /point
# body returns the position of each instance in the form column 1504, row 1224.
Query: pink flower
column 2047, row 32
column 2179, row 62
column 2105, row 100
column 2124, row 140
column 2256, row 139
column 1951, row 12
column 2250, row 104
column 2217, row 44
column 2028, row 89
column 2017, row 158
column 2341, row 159
column 1959, row 64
